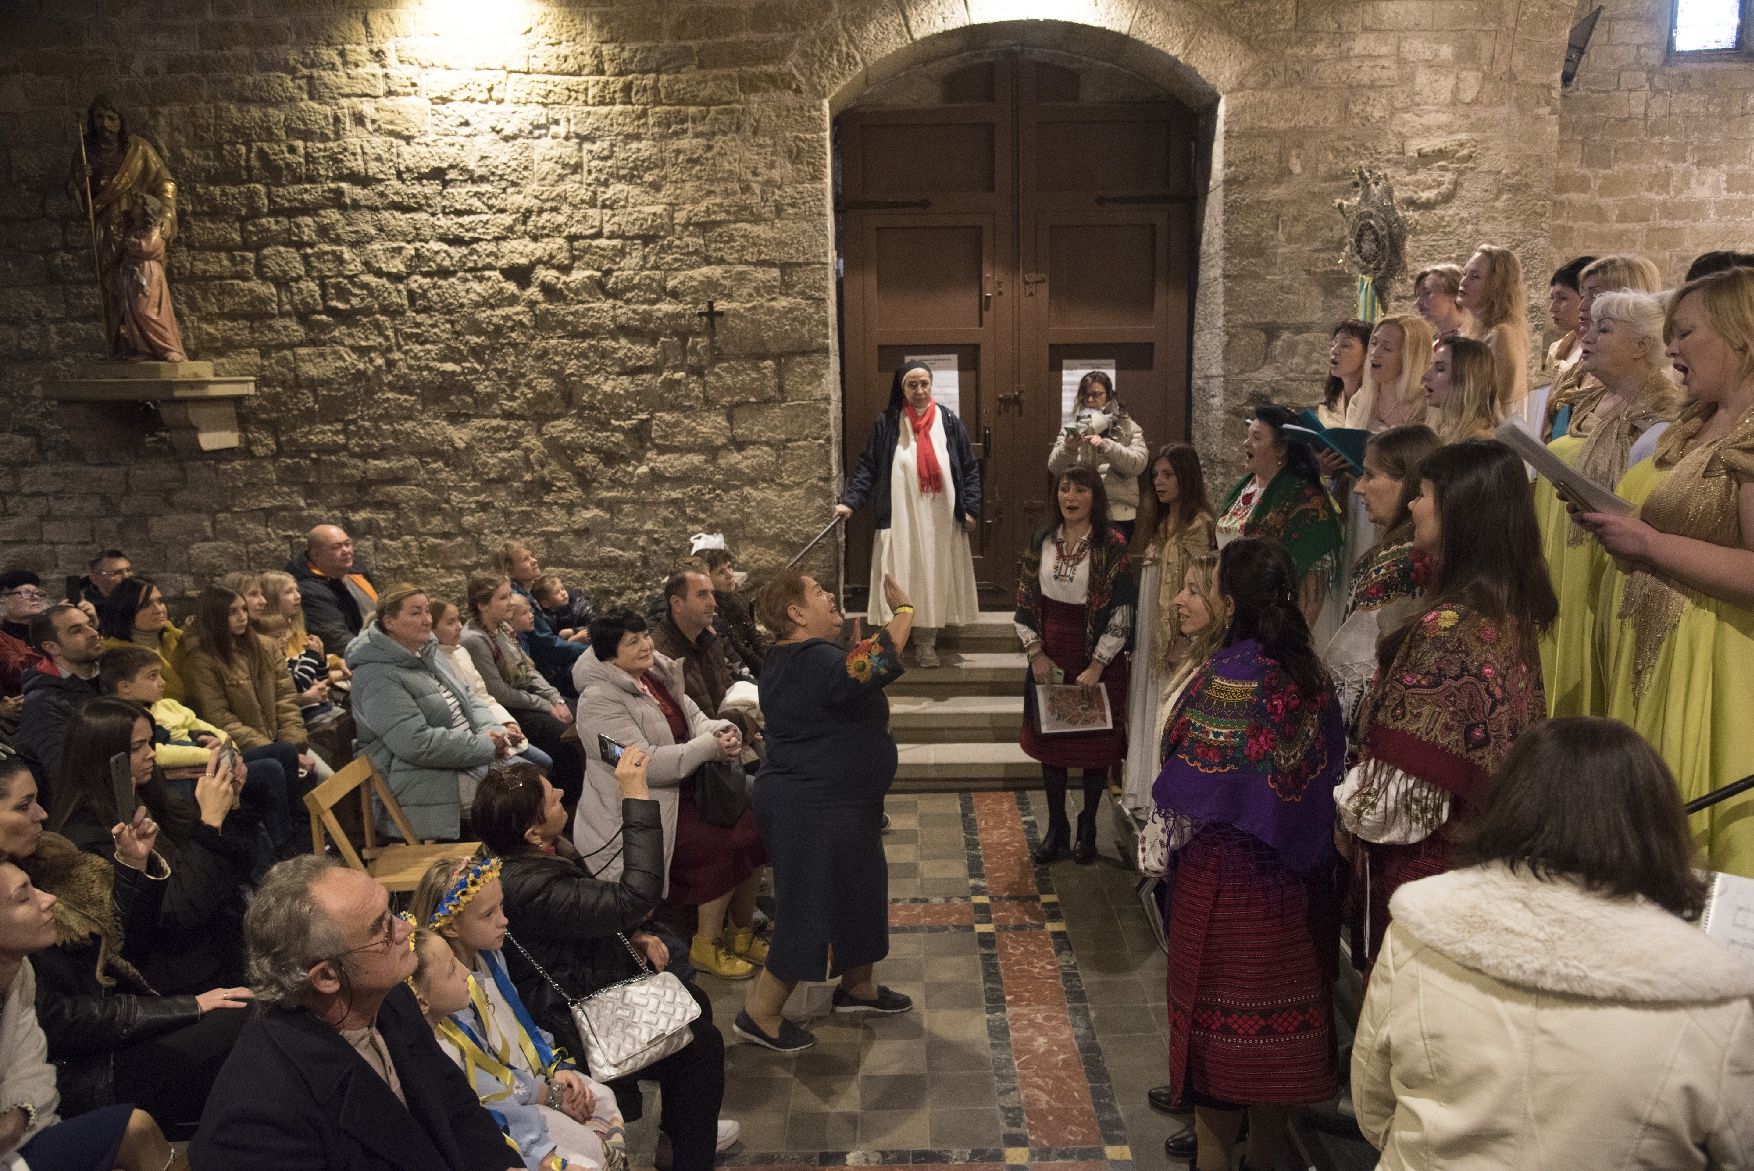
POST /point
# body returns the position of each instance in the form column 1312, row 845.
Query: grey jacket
column 611, row 704
column 405, row 727
column 1120, row 459
column 532, row 693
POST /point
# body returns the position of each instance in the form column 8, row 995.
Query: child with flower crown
column 555, row 1116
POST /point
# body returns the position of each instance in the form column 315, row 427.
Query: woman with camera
column 1104, row 437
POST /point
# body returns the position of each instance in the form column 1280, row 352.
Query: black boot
column 1053, row 843
column 1095, row 781
column 1084, row 853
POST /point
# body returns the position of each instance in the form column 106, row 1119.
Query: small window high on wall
column 1709, row 26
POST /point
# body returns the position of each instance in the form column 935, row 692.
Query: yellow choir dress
column 1681, row 663
column 1600, row 445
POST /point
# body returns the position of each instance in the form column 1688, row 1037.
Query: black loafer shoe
column 1162, row 1100
column 1180, row 1145
column 887, row 1001
column 792, row 1038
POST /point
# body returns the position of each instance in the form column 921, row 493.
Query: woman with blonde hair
column 1175, row 528
column 1680, row 652
column 313, row 672
column 1612, row 426
column 1460, row 391
column 1492, row 290
column 1399, row 353
column 1620, row 272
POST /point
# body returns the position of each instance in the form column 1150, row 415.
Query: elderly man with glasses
column 339, row 1070
column 109, row 569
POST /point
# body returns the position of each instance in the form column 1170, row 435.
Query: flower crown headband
column 467, row 881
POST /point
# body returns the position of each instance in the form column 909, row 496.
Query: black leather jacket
column 568, row 920
column 86, row 1021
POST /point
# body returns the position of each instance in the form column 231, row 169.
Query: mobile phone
column 122, row 785
column 610, row 749
column 228, row 758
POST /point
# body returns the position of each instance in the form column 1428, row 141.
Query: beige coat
column 253, row 701
column 1527, row 1024
column 611, row 704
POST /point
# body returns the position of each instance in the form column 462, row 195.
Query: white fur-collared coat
column 1513, row 1022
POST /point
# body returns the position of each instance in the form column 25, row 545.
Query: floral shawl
column 1111, row 586
column 1388, row 573
column 1297, row 514
column 1246, row 748
column 1461, row 689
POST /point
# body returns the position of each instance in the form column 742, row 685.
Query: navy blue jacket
column 294, row 1096
column 871, row 477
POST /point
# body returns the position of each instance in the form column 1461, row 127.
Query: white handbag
column 1162, row 835
column 628, row 1025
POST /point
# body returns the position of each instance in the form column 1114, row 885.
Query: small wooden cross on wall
column 711, row 315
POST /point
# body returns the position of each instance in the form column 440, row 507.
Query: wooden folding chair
column 398, row 865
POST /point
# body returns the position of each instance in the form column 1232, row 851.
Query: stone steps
column 956, row 725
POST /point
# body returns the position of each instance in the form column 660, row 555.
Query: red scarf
column 931, row 475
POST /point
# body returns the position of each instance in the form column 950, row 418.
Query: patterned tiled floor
column 1038, row 1028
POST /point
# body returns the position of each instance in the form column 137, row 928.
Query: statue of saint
column 130, row 202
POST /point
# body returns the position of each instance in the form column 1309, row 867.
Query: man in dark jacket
column 339, row 595
column 685, row 632
column 339, row 1070
column 55, row 689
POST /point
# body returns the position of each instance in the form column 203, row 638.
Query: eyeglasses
column 129, row 572
column 384, row 940
column 26, row 592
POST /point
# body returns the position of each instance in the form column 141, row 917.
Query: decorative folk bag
column 628, row 1025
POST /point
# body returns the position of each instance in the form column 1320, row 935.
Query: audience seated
column 109, row 569
column 633, row 696
column 565, row 915
column 135, row 614
column 63, row 678
column 1551, row 1004
column 22, row 598
column 685, row 633
column 447, row 628
column 318, row 679
column 428, row 736
column 337, row 592
column 32, row 1133
column 339, row 1069
column 206, row 842
column 568, row 611
column 554, row 656
column 735, row 621
column 546, row 1105
column 516, row 685
column 111, row 1035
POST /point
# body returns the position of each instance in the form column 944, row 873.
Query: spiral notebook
column 1729, row 913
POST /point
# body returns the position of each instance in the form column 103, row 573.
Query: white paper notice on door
column 1071, row 374
column 946, row 379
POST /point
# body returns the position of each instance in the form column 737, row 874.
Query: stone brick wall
column 465, row 267
column 1656, row 156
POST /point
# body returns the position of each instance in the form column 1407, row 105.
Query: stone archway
column 1177, row 46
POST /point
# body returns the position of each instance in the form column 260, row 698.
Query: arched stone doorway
column 1018, row 208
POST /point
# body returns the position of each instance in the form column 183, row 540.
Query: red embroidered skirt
column 1248, row 998
column 709, row 861
column 1062, row 637
column 1391, row 868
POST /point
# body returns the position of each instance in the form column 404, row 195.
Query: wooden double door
column 1014, row 242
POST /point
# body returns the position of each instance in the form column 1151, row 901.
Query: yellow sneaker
column 709, row 955
column 750, row 946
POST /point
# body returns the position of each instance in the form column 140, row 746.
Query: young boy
column 570, row 611
column 183, row 740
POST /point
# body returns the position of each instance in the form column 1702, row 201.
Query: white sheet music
column 1729, row 913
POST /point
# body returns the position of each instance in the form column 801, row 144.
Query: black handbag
column 721, row 792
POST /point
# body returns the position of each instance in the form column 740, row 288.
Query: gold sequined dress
column 1681, row 663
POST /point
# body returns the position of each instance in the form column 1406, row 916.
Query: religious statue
column 130, row 203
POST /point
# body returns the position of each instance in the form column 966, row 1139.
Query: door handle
column 986, row 300
column 986, row 443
